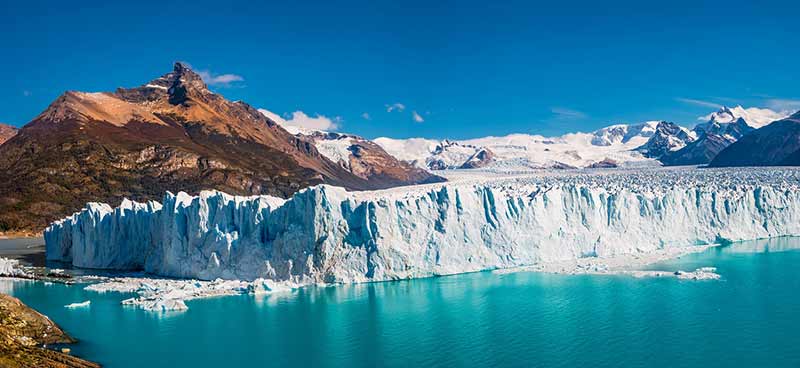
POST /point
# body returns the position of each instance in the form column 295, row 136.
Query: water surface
column 749, row 318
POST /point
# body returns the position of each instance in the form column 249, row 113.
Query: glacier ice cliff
column 325, row 234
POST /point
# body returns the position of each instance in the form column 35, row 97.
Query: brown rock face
column 169, row 134
column 6, row 132
column 22, row 333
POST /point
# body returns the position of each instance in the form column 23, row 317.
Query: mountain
column 169, row 134
column 365, row 159
column 724, row 123
column 483, row 158
column 754, row 116
column 723, row 128
column 668, row 137
column 699, row 152
column 623, row 133
column 649, row 143
column 6, row 132
column 777, row 144
column 615, row 144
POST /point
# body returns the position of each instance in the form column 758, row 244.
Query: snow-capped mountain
column 668, row 137
column 732, row 130
column 776, row 144
column 722, row 128
column 453, row 155
column 616, row 143
column 623, row 133
column 356, row 154
column 755, row 117
column 437, row 155
column 648, row 143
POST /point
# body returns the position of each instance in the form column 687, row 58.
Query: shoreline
column 26, row 333
column 20, row 235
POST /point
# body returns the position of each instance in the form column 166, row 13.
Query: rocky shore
column 24, row 333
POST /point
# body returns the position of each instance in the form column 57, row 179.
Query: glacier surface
column 475, row 222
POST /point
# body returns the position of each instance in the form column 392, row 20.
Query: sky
column 435, row 69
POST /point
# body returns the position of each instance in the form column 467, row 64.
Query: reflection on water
column 781, row 244
column 28, row 250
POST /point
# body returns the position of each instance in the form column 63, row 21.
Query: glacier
column 324, row 234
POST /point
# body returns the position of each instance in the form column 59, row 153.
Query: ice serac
column 325, row 234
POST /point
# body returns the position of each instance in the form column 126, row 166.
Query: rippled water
column 749, row 318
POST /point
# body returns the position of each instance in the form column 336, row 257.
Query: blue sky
column 467, row 69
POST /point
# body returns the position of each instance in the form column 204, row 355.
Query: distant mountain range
column 650, row 143
column 169, row 134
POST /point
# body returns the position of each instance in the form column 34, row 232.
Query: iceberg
column 83, row 304
column 324, row 234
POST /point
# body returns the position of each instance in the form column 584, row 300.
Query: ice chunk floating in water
column 78, row 305
column 325, row 234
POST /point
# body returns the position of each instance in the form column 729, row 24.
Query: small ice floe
column 78, row 305
column 171, row 294
column 702, row 273
column 155, row 304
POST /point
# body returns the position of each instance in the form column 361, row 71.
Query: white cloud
column 417, row 118
column 395, row 107
column 702, row 103
column 565, row 113
column 272, row 116
column 783, row 104
column 366, row 116
column 299, row 119
column 219, row 80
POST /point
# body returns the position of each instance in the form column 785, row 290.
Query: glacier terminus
column 476, row 221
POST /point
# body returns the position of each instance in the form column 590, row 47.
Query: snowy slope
column 754, row 116
column 325, row 234
column 525, row 151
column 624, row 144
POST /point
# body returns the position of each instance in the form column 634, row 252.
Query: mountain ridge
column 171, row 133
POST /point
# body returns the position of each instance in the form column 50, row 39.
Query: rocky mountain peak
column 183, row 82
column 182, row 74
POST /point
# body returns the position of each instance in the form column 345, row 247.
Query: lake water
column 748, row 318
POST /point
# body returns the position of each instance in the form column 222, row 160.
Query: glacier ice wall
column 325, row 234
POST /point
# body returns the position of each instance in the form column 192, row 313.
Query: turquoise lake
column 749, row 318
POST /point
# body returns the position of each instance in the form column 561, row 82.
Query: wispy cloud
column 565, row 113
column 782, row 104
column 696, row 102
column 220, row 80
column 366, row 116
column 417, row 118
column 26, row 93
column 395, row 107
